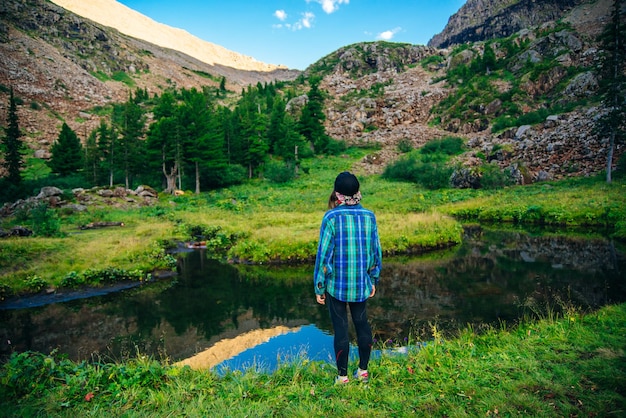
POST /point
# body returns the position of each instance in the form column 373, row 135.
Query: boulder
column 49, row 191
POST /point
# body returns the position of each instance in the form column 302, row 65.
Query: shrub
column 430, row 174
column 5, row 291
column 405, row 146
column 447, row 146
column 428, row 165
column 434, row 176
column 620, row 169
column 334, row 147
column 216, row 241
column 228, row 176
column 493, row 177
column 72, row 279
column 45, row 222
column 279, row 172
column 123, row 77
column 35, row 283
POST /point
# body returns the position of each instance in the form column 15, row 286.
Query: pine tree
column 612, row 124
column 67, row 153
column 92, row 157
column 106, row 140
column 195, row 120
column 284, row 137
column 311, row 123
column 129, row 121
column 12, row 144
column 222, row 90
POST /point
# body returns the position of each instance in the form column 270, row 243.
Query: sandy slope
column 130, row 22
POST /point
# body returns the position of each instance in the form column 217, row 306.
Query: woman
column 347, row 270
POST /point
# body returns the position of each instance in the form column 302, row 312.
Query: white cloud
column 388, row 34
column 307, row 19
column 305, row 23
column 280, row 15
column 330, row 6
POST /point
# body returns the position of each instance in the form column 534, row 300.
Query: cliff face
column 480, row 20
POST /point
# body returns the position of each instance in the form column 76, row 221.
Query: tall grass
column 267, row 222
column 571, row 365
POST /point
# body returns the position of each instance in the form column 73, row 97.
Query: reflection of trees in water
column 492, row 277
column 211, row 296
column 495, row 278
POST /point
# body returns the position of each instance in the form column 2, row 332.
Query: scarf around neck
column 349, row 200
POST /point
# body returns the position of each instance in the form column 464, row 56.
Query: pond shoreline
column 58, row 295
column 33, row 300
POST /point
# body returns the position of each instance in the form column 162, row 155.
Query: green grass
column 267, row 222
column 579, row 202
column 573, row 365
column 569, row 366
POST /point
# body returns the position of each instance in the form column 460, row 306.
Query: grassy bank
column 265, row 222
column 568, row 366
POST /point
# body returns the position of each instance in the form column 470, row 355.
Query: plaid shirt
column 349, row 257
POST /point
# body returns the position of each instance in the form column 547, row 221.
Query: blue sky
column 296, row 33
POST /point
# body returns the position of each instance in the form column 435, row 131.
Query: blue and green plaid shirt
column 349, row 257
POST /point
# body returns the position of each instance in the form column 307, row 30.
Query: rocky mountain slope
column 480, row 20
column 115, row 15
column 395, row 102
column 63, row 68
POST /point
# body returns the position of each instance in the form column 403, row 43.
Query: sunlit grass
column 51, row 259
column 269, row 222
column 574, row 202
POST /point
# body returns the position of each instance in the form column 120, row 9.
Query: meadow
column 569, row 364
column 266, row 222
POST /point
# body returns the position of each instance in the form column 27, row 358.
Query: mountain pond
column 232, row 317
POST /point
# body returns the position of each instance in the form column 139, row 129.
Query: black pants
column 339, row 316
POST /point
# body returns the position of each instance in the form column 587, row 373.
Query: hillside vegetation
column 267, row 222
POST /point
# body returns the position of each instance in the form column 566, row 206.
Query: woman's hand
column 321, row 299
column 373, row 291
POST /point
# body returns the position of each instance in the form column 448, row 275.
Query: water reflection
column 493, row 277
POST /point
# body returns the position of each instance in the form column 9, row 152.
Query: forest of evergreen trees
column 184, row 139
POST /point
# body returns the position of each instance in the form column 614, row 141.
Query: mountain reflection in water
column 493, row 278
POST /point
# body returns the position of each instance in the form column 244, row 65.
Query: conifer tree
column 129, row 120
column 612, row 125
column 67, row 153
column 222, row 89
column 283, row 135
column 195, row 122
column 106, row 140
column 311, row 123
column 12, row 145
column 92, row 157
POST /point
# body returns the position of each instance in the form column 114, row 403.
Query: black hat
column 347, row 184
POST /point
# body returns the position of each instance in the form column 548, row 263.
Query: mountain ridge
column 480, row 20
column 378, row 92
column 113, row 14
